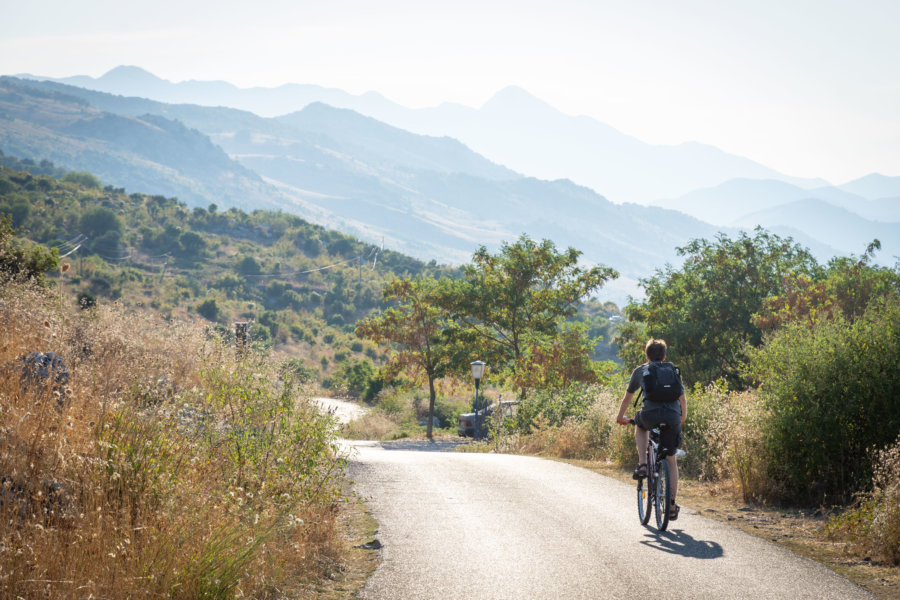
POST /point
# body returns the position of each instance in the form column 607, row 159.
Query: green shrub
column 83, row 178
column 208, row 309
column 832, row 391
column 553, row 407
column 354, row 377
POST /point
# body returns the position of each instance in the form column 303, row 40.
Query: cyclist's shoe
column 673, row 512
column 640, row 472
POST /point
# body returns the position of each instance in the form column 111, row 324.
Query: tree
column 846, row 288
column 192, row 243
column 17, row 262
column 417, row 330
column 249, row 266
column 513, row 302
column 98, row 220
column 705, row 310
column 209, row 309
column 83, row 178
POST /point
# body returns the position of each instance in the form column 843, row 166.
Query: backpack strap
column 637, row 397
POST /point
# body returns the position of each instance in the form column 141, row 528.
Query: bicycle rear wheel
column 644, row 501
column 662, row 498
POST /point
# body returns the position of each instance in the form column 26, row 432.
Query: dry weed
column 135, row 480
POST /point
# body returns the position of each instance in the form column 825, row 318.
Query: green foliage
column 417, row 330
column 154, row 252
column 17, row 261
column 296, row 370
column 16, row 206
column 249, row 266
column 832, row 391
column 552, row 407
column 846, row 288
column 275, row 445
column 83, row 179
column 99, row 220
column 705, row 310
column 192, row 243
column 209, row 309
column 516, row 299
column 357, row 378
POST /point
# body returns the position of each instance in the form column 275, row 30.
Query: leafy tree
column 209, row 309
column 705, row 310
column 18, row 207
column 192, row 243
column 357, row 377
column 416, row 328
column 511, row 303
column 83, row 179
column 17, row 262
column 249, row 266
column 98, row 220
column 846, row 288
column 561, row 362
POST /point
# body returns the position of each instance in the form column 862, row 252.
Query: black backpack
column 661, row 382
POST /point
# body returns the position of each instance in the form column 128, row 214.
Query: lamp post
column 477, row 373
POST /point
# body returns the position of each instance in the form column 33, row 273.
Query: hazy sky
column 809, row 87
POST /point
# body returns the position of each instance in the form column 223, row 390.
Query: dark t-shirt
column 634, row 384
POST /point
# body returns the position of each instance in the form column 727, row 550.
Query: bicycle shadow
column 681, row 543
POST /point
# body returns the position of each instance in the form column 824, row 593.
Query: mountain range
column 430, row 196
column 513, row 128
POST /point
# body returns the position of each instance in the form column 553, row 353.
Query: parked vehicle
column 466, row 422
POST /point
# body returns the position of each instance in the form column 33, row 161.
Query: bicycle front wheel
column 663, row 495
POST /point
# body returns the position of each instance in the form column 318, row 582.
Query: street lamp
column 477, row 373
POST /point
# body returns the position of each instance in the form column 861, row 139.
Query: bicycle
column 657, row 495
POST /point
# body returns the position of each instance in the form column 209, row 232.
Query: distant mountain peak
column 130, row 74
column 515, row 97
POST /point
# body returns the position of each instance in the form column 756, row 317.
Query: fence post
column 241, row 338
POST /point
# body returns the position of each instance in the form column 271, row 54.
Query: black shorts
column 670, row 435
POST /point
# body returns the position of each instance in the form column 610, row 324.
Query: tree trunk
column 431, row 399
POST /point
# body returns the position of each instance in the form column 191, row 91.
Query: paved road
column 342, row 410
column 492, row 526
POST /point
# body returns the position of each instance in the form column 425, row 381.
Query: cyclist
column 654, row 413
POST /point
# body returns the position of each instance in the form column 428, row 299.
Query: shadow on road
column 681, row 543
column 423, row 445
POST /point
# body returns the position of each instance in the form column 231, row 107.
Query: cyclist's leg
column 641, row 439
column 673, row 474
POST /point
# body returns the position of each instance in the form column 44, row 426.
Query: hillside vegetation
column 151, row 463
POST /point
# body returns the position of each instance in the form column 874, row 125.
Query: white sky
column 808, row 87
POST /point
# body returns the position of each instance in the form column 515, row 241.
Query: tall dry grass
column 165, row 468
column 723, row 438
column 596, row 436
column 872, row 527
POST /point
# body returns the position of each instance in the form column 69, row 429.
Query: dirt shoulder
column 800, row 531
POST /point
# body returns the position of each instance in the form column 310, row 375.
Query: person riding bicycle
column 669, row 407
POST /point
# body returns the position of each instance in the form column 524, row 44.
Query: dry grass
column 872, row 528
column 374, row 425
column 165, row 468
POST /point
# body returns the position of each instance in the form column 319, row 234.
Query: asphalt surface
column 342, row 410
column 494, row 526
